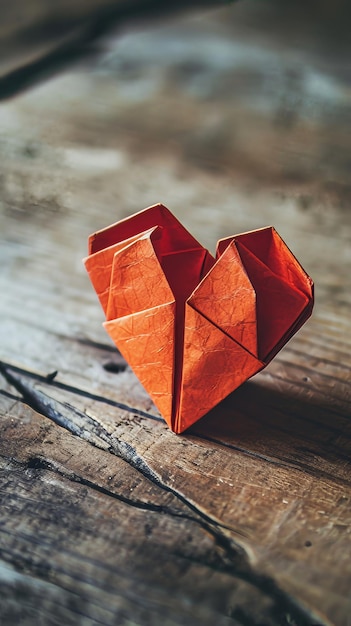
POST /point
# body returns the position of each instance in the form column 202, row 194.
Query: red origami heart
column 194, row 327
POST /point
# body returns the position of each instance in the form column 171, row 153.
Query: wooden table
column 106, row 516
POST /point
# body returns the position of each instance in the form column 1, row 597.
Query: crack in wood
column 38, row 463
column 215, row 561
column 231, row 557
column 62, row 415
column 286, row 611
column 75, row 390
column 279, row 461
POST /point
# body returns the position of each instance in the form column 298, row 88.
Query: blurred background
column 235, row 116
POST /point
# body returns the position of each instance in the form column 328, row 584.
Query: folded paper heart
column 194, row 327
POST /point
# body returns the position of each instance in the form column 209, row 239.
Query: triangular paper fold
column 146, row 341
column 213, row 366
column 227, row 298
column 193, row 328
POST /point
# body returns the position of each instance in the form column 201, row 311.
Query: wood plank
column 106, row 516
column 85, row 522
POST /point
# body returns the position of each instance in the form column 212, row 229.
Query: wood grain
column 106, row 516
column 38, row 40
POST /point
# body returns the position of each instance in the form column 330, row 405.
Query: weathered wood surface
column 106, row 516
column 38, row 39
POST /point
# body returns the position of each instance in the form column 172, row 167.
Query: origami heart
column 194, row 327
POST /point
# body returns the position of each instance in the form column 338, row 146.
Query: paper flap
column 137, row 280
column 279, row 303
column 146, row 341
column 214, row 365
column 272, row 251
column 99, row 267
column 227, row 298
column 176, row 236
